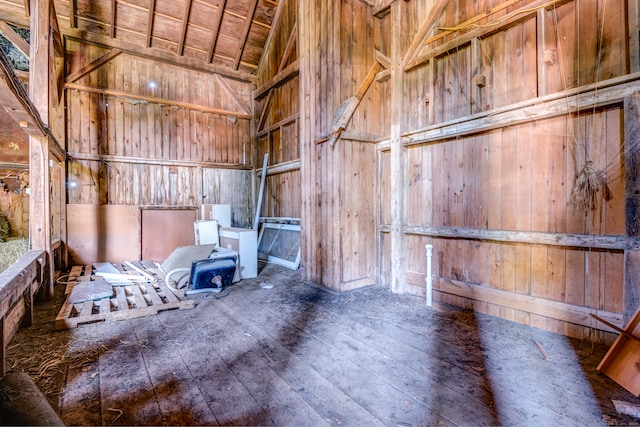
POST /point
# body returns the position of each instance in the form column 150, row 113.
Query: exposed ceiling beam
column 185, row 23
column 245, row 33
column 14, row 38
column 215, row 30
column 157, row 54
column 152, row 8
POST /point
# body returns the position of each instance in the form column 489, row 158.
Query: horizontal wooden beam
column 558, row 310
column 284, row 122
column 584, row 241
column 360, row 137
column 416, row 59
column 13, row 166
column 148, row 161
column 585, row 97
column 154, row 100
column 155, row 54
column 279, row 79
column 283, row 167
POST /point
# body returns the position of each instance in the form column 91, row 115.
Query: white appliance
column 245, row 242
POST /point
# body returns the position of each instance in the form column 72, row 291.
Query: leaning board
column 622, row 361
column 138, row 299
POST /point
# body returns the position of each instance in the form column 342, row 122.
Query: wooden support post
column 632, row 205
column 39, row 201
column 634, row 41
column 398, row 156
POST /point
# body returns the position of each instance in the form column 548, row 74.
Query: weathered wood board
column 137, row 299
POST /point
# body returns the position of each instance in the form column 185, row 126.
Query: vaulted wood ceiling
column 225, row 36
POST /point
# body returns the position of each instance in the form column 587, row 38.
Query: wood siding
column 140, row 132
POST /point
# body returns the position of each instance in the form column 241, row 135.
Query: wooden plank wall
column 476, row 147
column 276, row 116
column 338, row 182
column 140, row 132
column 518, row 176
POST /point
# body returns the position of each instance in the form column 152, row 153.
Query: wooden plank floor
column 298, row 355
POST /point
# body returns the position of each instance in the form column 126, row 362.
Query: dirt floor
column 279, row 351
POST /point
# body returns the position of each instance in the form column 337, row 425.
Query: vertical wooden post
column 634, row 42
column 631, row 292
column 307, row 61
column 39, row 200
column 398, row 156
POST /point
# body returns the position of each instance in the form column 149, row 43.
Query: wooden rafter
column 156, row 54
column 245, row 33
column 14, row 38
column 215, row 29
column 112, row 24
column 152, row 8
column 185, row 23
column 93, row 65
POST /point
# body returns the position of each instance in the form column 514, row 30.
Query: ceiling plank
column 14, row 38
column 152, row 8
column 215, row 30
column 93, row 65
column 245, row 33
column 185, row 23
column 156, row 100
column 157, row 54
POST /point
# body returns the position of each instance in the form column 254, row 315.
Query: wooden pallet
column 138, row 299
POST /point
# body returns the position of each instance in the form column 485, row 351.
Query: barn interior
column 431, row 207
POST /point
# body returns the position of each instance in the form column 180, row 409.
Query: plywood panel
column 103, row 233
column 164, row 230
